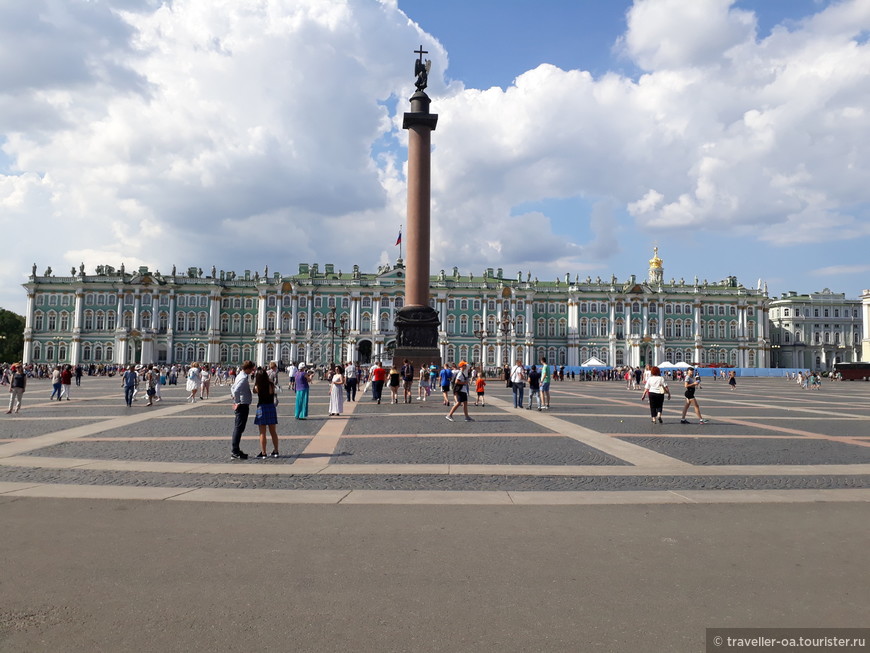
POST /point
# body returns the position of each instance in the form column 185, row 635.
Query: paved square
column 768, row 435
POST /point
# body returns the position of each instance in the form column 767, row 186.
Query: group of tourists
column 655, row 389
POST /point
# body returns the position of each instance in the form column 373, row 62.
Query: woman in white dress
column 336, row 392
column 193, row 382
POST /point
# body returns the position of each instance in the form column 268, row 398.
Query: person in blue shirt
column 130, row 379
column 445, row 377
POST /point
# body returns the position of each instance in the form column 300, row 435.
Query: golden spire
column 655, row 263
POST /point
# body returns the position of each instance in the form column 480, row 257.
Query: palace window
column 451, row 304
column 463, row 324
column 64, row 321
column 237, row 323
column 366, row 302
column 249, row 324
column 366, row 325
column 451, row 325
column 463, row 305
column 111, row 319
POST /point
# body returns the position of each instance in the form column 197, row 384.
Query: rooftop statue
column 421, row 70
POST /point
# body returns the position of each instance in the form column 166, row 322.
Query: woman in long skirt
column 336, row 392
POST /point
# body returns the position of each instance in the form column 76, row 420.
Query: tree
column 11, row 336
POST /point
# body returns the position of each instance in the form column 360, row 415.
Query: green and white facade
column 117, row 317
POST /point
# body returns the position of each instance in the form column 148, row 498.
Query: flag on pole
column 399, row 239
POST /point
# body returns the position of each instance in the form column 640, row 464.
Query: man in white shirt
column 350, row 381
column 291, row 370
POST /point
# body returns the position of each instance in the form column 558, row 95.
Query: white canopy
column 594, row 362
column 682, row 365
column 667, row 364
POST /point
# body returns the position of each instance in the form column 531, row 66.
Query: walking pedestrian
column 241, row 393
column 267, row 415
column 378, row 376
column 655, row 388
column 350, row 381
column 446, row 376
column 692, row 383
column 480, row 387
column 128, row 382
column 194, row 380
column 150, row 384
column 407, row 373
column 732, row 380
column 17, row 385
column 300, row 382
column 460, row 392
column 55, row 383
column 518, row 382
column 423, row 387
column 546, row 377
column 65, row 381
column 336, row 395
column 78, row 375
column 395, row 378
column 205, row 382
column 534, row 387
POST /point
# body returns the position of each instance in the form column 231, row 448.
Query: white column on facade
column 355, row 313
column 260, row 339
column 530, row 316
column 294, row 305
column 78, row 313
column 170, row 330
column 119, row 318
column 214, row 332
column 376, row 315
column 309, row 322
column 27, row 356
column 442, row 313
column 137, row 307
column 645, row 311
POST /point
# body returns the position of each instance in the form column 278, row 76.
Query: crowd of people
column 350, row 380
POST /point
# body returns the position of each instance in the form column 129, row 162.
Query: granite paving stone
column 432, row 482
column 173, row 451
column 28, row 428
column 471, row 450
column 758, row 451
column 491, row 422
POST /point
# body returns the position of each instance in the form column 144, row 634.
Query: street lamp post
column 480, row 334
column 338, row 326
column 506, row 325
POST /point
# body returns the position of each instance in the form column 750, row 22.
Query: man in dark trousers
column 241, row 392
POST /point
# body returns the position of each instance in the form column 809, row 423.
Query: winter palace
column 115, row 316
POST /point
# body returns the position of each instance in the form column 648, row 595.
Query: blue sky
column 572, row 138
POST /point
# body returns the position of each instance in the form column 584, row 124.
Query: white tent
column 667, row 364
column 594, row 362
column 683, row 365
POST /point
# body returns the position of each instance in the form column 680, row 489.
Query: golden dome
column 655, row 262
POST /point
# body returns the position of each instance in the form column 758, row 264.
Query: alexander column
column 417, row 322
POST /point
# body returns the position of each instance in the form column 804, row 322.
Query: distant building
column 114, row 316
column 815, row 331
column 865, row 315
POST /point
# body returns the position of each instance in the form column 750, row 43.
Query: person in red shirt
column 65, row 382
column 379, row 375
column 480, row 386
